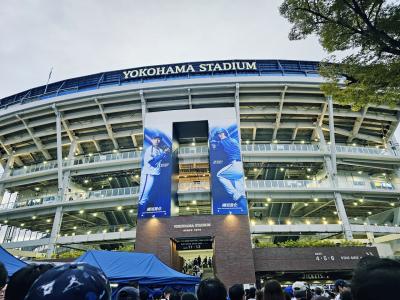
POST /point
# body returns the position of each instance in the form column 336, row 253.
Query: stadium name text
column 189, row 68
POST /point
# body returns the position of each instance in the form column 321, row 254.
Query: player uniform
column 231, row 176
column 152, row 159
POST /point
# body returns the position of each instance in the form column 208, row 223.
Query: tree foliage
column 308, row 243
column 368, row 31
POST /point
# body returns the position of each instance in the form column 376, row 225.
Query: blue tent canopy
column 11, row 263
column 144, row 268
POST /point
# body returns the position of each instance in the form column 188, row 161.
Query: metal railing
column 94, row 158
column 194, row 150
column 291, row 184
column 280, row 147
column 44, row 166
column 365, row 150
column 27, row 202
column 193, row 186
column 107, row 193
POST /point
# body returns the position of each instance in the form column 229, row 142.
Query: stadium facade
column 313, row 169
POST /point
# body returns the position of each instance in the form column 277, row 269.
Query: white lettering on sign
column 197, row 225
column 189, row 68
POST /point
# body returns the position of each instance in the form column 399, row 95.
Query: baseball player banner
column 227, row 176
column 154, row 198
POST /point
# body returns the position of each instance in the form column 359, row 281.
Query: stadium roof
column 270, row 67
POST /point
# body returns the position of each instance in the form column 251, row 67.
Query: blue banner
column 154, row 198
column 227, row 176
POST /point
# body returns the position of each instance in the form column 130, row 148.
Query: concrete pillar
column 338, row 197
column 144, row 109
column 58, row 215
column 6, row 173
column 237, row 110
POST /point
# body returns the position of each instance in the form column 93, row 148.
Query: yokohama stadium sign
column 204, row 67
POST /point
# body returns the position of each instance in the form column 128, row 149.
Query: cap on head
column 71, row 281
column 341, row 283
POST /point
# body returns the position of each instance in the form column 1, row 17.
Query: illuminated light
column 65, row 158
column 22, row 224
column 335, row 212
column 140, row 148
column 81, row 211
column 315, row 140
column 396, row 225
column 377, row 147
column 365, row 223
column 288, row 222
column 131, row 211
column 282, row 169
column 386, row 224
column 269, row 199
column 316, row 199
column 37, row 189
column 255, row 169
column 5, row 221
column 25, row 167
column 305, row 204
column 270, row 222
column 308, row 169
column 187, row 208
column 355, row 219
column 266, row 204
column 73, row 234
column 308, row 176
column 361, row 200
column 354, row 144
column 370, row 212
column 109, row 178
column 94, row 214
column 44, row 162
column 339, row 222
column 355, row 203
column 194, row 202
column 86, row 181
column 74, row 227
column 384, row 174
column 247, row 142
column 89, row 232
column 90, row 154
column 308, row 222
column 33, row 217
column 360, row 172
column 329, row 143
column 137, row 176
column 90, row 188
column 193, row 144
column 104, row 231
column 323, row 218
column 48, row 220
column 121, row 230
column 119, row 208
column 245, row 178
column 115, row 151
column 275, row 141
column 66, row 234
column 47, row 230
column 325, row 222
column 302, row 142
column 392, row 204
column 253, row 222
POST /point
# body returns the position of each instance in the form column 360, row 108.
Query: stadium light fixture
column 48, row 220
column 370, row 212
column 104, row 231
column 86, row 181
column 47, row 230
column 81, row 211
column 74, row 227
column 392, row 204
column 316, row 199
column 119, row 208
column 305, row 204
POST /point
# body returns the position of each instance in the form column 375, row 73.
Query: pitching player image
column 231, row 175
column 152, row 158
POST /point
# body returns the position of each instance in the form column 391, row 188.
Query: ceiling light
column 392, row 204
column 335, row 212
column 316, row 199
column 325, row 222
column 86, row 181
column 194, row 202
column 22, row 224
column 308, row 222
column 104, row 231
column 355, row 203
column 269, row 199
column 81, row 211
column 48, row 220
column 89, row 232
column 37, row 189
column 115, row 151
column 275, row 141
column 288, row 222
column 360, row 172
column 74, row 227
column 354, row 144
column 305, row 204
column 140, row 148
column 253, row 222
column 247, row 142
column 119, row 208
column 137, row 176
column 94, row 214
column 90, row 154
column 121, row 229
column 131, row 211
column 47, row 230
column 33, row 217
column 255, row 169
column 193, row 144
column 308, row 169
column 265, row 204
column 370, row 213
column 361, row 200
column 270, row 222
column 302, row 142
column 282, row 169
column 109, row 178
column 339, row 222
column 187, row 208
column 5, row 221
column 90, row 188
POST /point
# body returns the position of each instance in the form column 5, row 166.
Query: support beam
column 70, row 133
column 144, row 110
column 357, row 124
column 96, row 145
column 107, row 124
column 294, row 134
column 254, row 133
column 338, row 196
column 36, row 140
column 320, row 120
column 237, row 109
column 134, row 141
column 279, row 114
column 190, row 98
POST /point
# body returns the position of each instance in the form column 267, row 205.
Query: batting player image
column 231, row 175
column 152, row 158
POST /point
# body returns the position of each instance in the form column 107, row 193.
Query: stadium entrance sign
column 190, row 68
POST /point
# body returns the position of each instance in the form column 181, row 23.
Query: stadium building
column 73, row 151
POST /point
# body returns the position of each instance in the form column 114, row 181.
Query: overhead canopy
column 11, row 263
column 144, row 268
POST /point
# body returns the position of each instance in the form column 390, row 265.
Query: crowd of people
column 196, row 266
column 373, row 279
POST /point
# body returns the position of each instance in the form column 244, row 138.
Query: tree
column 369, row 30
